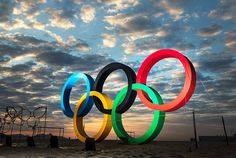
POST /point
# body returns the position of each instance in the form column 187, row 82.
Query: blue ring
column 65, row 94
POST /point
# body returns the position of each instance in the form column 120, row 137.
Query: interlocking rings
column 126, row 97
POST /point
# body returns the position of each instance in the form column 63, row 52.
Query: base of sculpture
column 54, row 142
column 8, row 141
column 90, row 144
column 30, row 142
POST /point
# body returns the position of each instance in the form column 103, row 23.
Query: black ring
column 130, row 95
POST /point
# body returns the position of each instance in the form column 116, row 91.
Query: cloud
column 37, row 25
column 230, row 40
column 76, row 44
column 30, row 44
column 60, row 59
column 206, row 44
column 6, row 8
column 218, row 63
column 57, row 20
column 115, row 20
column 217, row 83
column 36, row 78
column 57, row 58
column 184, row 46
column 33, row 70
column 211, row 30
column 87, row 13
column 164, row 36
column 20, row 59
column 171, row 8
column 138, row 24
column 28, row 9
column 142, row 24
column 117, row 5
column 129, row 48
column 77, row 1
column 108, row 40
column 57, row 112
column 143, row 47
column 19, row 44
column 226, row 10
column 133, row 26
column 13, row 25
column 17, row 24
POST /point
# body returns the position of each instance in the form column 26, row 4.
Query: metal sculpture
column 20, row 116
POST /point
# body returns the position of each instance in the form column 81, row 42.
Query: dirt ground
column 118, row 149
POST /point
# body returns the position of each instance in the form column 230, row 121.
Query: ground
column 118, row 149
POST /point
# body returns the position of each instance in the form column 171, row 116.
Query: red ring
column 189, row 84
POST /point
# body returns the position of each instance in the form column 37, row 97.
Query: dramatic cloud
column 43, row 42
column 172, row 8
column 222, row 62
column 133, row 26
column 226, row 10
column 87, row 13
column 32, row 73
column 6, row 8
column 29, row 9
column 57, row 20
column 13, row 25
column 230, row 40
column 211, row 30
column 142, row 48
column 108, row 40
column 139, row 24
column 117, row 5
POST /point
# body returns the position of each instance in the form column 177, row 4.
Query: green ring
column 157, row 122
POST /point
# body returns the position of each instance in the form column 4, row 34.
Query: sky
column 43, row 42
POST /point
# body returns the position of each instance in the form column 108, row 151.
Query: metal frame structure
column 25, row 117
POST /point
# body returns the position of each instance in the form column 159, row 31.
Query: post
column 21, row 123
column 8, row 141
column 63, row 132
column 45, row 121
column 195, row 130
column 12, row 126
column 90, row 144
column 59, row 132
column 54, row 142
column 226, row 136
column 30, row 141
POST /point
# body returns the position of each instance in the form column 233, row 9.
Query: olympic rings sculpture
column 125, row 98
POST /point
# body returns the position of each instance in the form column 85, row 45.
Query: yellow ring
column 106, row 125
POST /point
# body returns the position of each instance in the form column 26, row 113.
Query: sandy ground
column 117, row 149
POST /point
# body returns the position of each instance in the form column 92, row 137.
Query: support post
column 195, row 130
column 45, row 122
column 8, row 141
column 226, row 136
column 90, row 144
